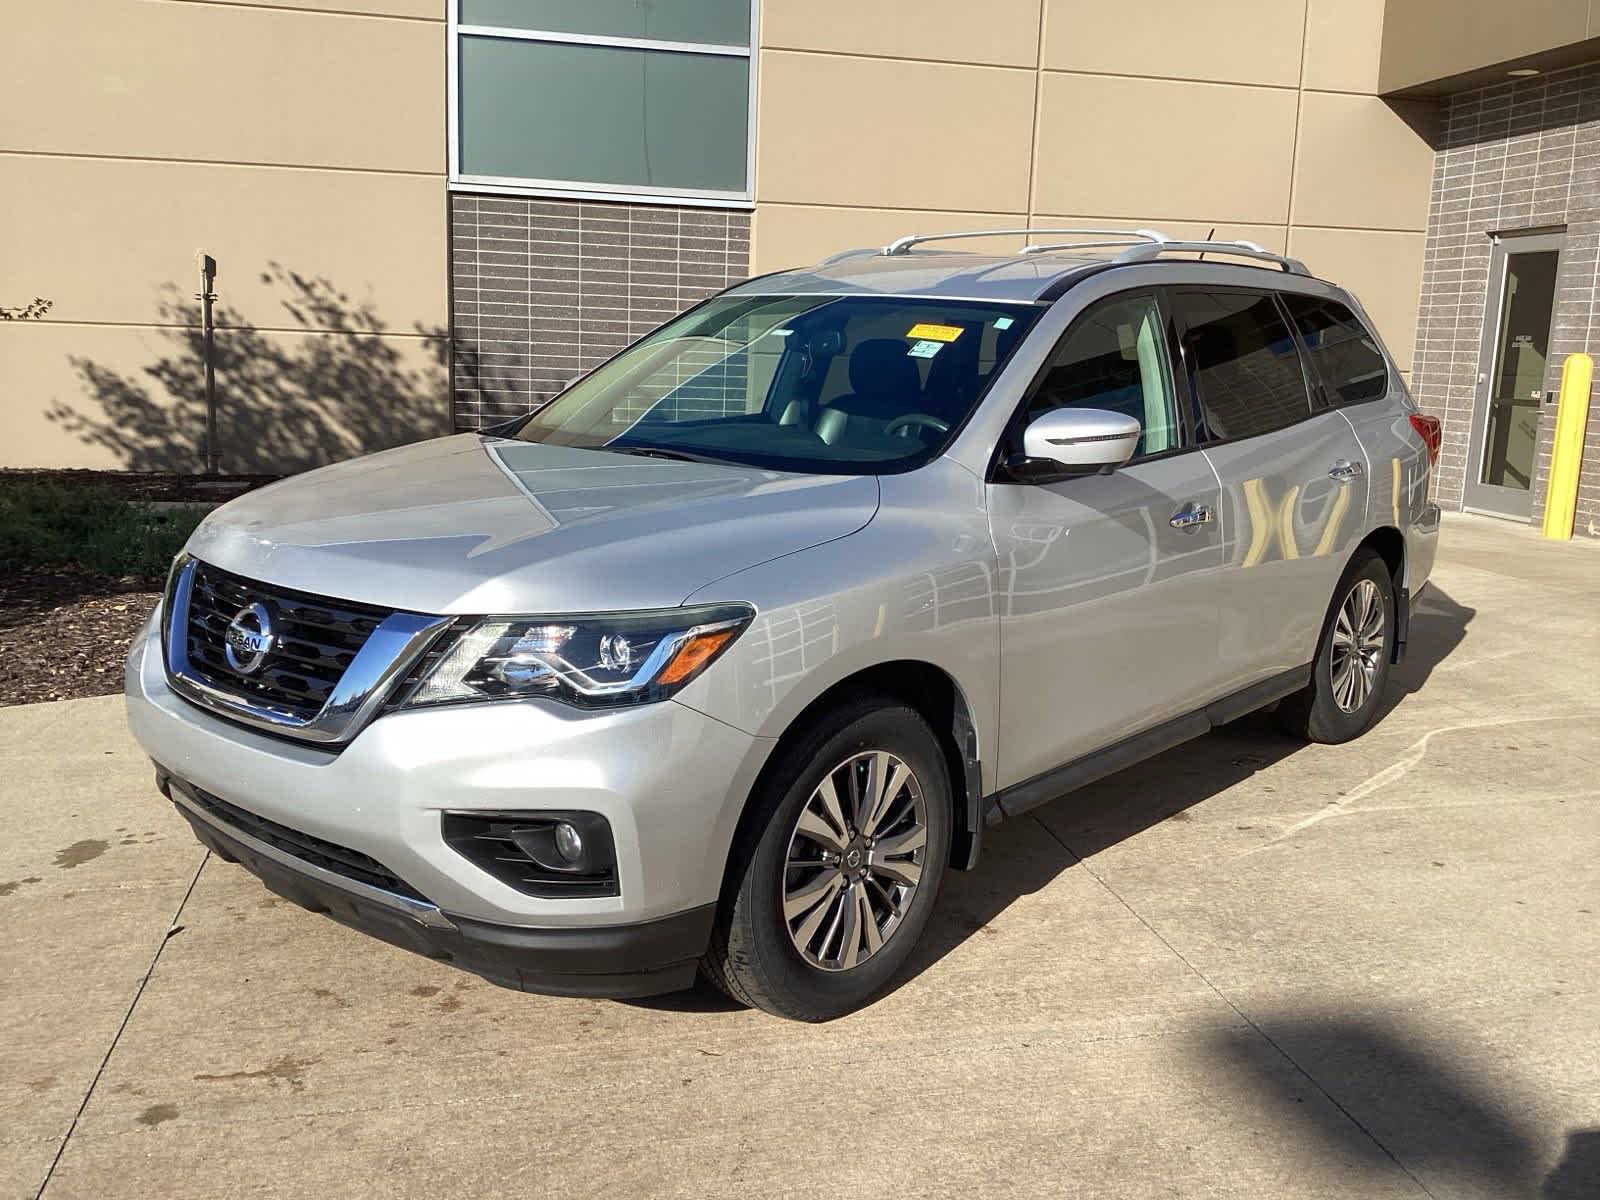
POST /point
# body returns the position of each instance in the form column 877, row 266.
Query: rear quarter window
column 1343, row 354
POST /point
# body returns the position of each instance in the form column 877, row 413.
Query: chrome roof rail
column 1120, row 237
column 857, row 252
column 1146, row 253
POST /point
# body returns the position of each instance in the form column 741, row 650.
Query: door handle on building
column 1190, row 517
column 1344, row 470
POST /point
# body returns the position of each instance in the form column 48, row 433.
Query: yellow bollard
column 1566, row 456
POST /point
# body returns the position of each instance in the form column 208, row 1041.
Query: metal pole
column 208, row 277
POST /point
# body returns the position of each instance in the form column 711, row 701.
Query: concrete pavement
column 1246, row 968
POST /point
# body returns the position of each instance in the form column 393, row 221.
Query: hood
column 474, row 525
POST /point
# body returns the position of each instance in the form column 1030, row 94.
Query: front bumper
column 610, row 960
column 670, row 781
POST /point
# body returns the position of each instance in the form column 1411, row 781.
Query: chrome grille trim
column 384, row 657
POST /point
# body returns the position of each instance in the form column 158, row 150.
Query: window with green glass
column 607, row 97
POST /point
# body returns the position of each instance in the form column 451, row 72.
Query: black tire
column 1318, row 714
column 752, row 956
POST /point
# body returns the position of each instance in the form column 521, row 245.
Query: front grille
column 352, row 864
column 317, row 640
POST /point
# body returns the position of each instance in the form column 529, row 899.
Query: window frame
column 1194, row 403
column 1010, row 443
column 460, row 181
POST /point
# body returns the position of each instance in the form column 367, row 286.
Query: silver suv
column 723, row 658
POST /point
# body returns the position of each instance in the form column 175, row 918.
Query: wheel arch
column 1389, row 544
column 935, row 694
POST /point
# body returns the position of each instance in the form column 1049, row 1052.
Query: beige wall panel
column 222, row 82
column 130, row 397
column 1005, row 32
column 429, row 10
column 877, row 133
column 1268, row 236
column 1363, row 163
column 1384, row 270
column 1343, row 42
column 1111, row 146
column 102, row 238
column 790, row 235
column 1237, row 41
column 1425, row 40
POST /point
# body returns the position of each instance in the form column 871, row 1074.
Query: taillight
column 1431, row 431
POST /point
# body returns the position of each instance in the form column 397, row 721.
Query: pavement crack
column 138, row 992
column 1396, row 770
column 1080, row 861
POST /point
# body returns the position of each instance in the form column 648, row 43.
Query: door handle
column 1345, row 470
column 1190, row 517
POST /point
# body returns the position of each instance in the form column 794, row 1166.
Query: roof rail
column 1147, row 252
column 1118, row 237
column 857, row 252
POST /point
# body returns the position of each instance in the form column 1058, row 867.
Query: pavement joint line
column 1239, row 1012
column 117, row 1037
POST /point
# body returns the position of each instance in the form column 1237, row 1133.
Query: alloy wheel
column 854, row 861
column 1357, row 651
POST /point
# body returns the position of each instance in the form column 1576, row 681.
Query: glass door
column 1512, row 371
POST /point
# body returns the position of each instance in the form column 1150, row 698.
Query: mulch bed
column 64, row 634
column 149, row 485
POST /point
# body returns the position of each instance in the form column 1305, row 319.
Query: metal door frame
column 1477, row 496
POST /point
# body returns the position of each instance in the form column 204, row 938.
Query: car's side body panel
column 1097, row 589
column 1289, row 528
column 916, row 585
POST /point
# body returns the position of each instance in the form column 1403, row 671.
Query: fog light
column 569, row 842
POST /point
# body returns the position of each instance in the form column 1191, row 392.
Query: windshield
column 832, row 384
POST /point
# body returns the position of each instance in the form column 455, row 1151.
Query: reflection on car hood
column 474, row 524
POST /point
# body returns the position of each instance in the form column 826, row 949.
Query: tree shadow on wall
column 328, row 386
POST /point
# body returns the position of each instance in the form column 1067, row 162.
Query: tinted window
column 1244, row 368
column 1115, row 357
column 1341, row 350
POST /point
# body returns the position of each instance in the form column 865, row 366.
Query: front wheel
column 835, row 873
column 1353, row 658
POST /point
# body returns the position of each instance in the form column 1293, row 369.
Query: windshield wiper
column 678, row 455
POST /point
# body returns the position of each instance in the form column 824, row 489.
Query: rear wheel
column 835, row 874
column 1353, row 658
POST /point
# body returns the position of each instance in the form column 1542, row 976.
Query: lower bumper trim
column 608, row 961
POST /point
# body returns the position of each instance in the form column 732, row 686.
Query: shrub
column 47, row 525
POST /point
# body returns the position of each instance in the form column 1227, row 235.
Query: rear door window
column 1347, row 364
column 1244, row 369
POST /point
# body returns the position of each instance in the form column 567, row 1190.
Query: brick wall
column 1521, row 155
column 543, row 290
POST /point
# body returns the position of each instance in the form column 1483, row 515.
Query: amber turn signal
column 695, row 653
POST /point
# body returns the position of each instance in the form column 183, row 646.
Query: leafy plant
column 47, row 525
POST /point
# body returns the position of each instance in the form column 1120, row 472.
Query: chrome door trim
column 393, row 647
column 1345, row 470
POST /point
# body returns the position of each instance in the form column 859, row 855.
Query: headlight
column 592, row 661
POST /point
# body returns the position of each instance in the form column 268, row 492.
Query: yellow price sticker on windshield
column 934, row 333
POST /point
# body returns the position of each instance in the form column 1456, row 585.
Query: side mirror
column 1079, row 441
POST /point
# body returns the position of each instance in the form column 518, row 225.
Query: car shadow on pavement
column 1398, row 1100
column 1022, row 856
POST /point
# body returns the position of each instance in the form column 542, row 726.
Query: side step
column 1041, row 789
